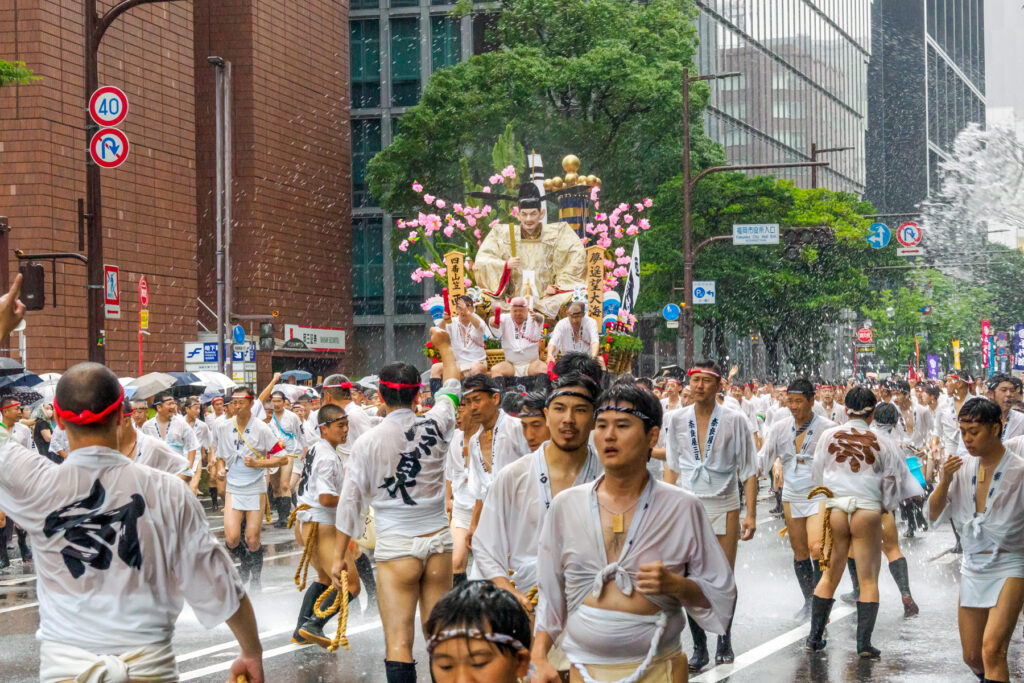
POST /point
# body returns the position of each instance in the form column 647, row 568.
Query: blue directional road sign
column 880, row 235
column 670, row 312
column 238, row 334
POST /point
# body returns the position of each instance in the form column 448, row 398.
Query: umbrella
column 215, row 381
column 47, row 376
column 27, row 397
column 20, row 378
column 151, row 384
column 9, row 366
column 125, row 381
column 298, row 375
column 182, row 379
column 291, row 391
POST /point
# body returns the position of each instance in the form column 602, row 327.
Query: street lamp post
column 689, row 252
column 95, row 27
column 814, row 157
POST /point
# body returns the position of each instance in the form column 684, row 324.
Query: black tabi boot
column 901, row 575
column 284, row 508
column 458, row 578
column 240, row 553
column 435, row 386
column 777, row 510
column 23, row 549
column 312, row 629
column 805, row 577
column 314, row 591
column 256, row 569
column 724, row 653
column 700, row 657
column 213, row 498
column 820, row 609
column 854, row 595
column 400, row 672
column 918, row 506
column 867, row 612
column 908, row 516
column 366, row 576
column 991, row 680
column 5, row 559
column 957, row 549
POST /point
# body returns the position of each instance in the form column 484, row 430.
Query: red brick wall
column 292, row 172
column 149, row 202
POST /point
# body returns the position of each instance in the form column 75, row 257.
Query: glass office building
column 803, row 82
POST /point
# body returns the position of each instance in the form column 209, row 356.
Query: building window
column 408, row 292
column 737, row 110
column 786, row 80
column 787, row 109
column 792, row 138
column 485, row 25
column 736, row 138
column 364, row 53
column 405, row 61
column 364, row 4
column 445, row 42
column 733, row 83
column 366, row 142
column 405, row 3
column 367, row 266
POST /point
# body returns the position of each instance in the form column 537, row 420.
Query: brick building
column 291, row 169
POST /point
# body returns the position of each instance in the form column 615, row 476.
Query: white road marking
column 18, row 581
column 764, row 650
column 267, row 654
column 19, row 607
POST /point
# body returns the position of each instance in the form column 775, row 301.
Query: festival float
column 481, row 247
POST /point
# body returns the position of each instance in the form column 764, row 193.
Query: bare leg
column 971, row 621
column 398, row 592
column 1002, row 620
column 460, row 553
column 797, row 532
column 435, row 582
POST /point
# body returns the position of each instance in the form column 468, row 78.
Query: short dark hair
column 644, row 382
column 483, row 606
column 92, row 387
column 399, row 373
column 900, row 385
column 277, row 394
column 161, row 397
column 466, row 299
column 578, row 379
column 981, row 410
column 577, row 361
column 996, row 380
column 479, row 382
column 860, row 401
column 329, row 413
column 533, row 402
column 801, row 385
column 933, row 390
column 331, row 387
column 243, row 389
column 886, row 414
column 511, row 403
column 7, row 400
column 711, row 365
column 642, row 401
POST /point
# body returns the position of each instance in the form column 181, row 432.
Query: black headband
column 569, row 392
column 531, row 414
column 629, row 411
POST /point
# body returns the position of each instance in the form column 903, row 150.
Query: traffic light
column 266, row 336
column 33, row 286
column 795, row 239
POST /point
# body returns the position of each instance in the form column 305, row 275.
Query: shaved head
column 92, row 387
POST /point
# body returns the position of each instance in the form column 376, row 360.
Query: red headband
column 694, row 371
column 87, row 417
column 397, row 386
column 12, row 404
column 234, row 396
column 217, row 398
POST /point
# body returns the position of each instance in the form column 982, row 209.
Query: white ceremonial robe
column 947, row 428
column 669, row 525
column 109, row 597
column 859, row 464
column 288, row 430
column 732, row 451
column 358, row 424
column 467, row 341
column 507, row 446
column 456, row 472
column 204, row 435
column 19, row 434
column 796, row 467
column 398, row 468
column 258, row 441
column 563, row 340
column 513, row 514
column 177, row 434
column 153, row 452
column 322, row 474
column 59, row 442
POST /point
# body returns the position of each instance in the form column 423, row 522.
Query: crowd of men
column 569, row 533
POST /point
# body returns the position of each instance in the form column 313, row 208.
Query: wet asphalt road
column 767, row 639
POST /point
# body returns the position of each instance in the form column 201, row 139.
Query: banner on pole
column 956, row 354
column 595, row 283
column 1018, row 346
column 986, row 342
column 933, row 366
column 455, row 267
column 632, row 291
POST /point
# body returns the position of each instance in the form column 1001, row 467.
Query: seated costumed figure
column 542, row 260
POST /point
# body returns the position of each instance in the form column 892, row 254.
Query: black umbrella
column 20, row 378
column 9, row 366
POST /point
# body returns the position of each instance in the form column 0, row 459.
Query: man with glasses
column 247, row 447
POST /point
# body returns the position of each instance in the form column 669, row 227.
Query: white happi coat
column 507, row 446
column 398, row 468
column 153, row 452
column 732, row 450
column 852, row 460
column 358, row 424
column 946, row 426
column 178, row 434
column 513, row 515
column 456, row 472
column 796, row 467
column 19, row 433
column 322, row 473
column 288, row 430
column 59, row 442
column 258, row 441
column 669, row 526
column 111, row 596
column 1000, row 528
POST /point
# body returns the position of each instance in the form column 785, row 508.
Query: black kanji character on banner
column 423, row 437
column 91, row 533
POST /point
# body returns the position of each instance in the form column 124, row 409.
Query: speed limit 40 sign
column 108, row 106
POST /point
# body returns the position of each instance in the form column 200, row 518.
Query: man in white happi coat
column 792, row 441
column 866, row 474
column 984, row 495
column 459, row 503
column 505, row 543
column 147, row 450
column 620, row 559
column 119, row 547
column 946, row 426
column 288, row 429
column 10, row 412
column 172, row 429
column 398, row 467
column 520, row 332
column 248, row 448
column 708, row 447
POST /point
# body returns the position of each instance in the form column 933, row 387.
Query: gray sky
column 1004, row 54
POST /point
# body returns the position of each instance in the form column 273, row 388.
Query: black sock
column 314, row 591
column 366, row 576
column 213, row 497
column 458, row 578
column 400, row 672
column 804, row 576
column 816, row 568
column 867, row 612
column 901, row 575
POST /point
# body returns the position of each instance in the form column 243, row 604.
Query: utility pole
column 95, row 27
column 689, row 184
column 814, row 157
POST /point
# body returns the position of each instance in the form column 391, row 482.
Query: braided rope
column 307, row 550
column 266, row 507
column 531, row 595
column 339, row 606
column 298, row 508
column 826, row 545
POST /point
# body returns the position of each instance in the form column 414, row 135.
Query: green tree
column 16, row 73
